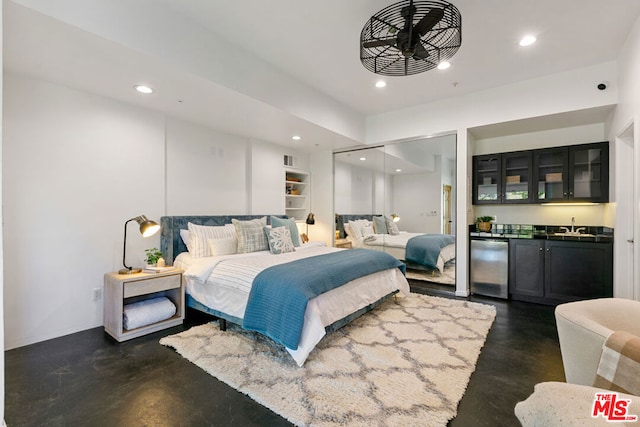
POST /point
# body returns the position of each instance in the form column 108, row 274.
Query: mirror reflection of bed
column 412, row 182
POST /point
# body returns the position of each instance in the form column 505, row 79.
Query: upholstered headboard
column 341, row 220
column 171, row 243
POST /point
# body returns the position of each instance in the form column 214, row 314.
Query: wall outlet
column 97, row 294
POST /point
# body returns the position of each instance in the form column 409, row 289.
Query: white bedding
column 223, row 284
column 395, row 245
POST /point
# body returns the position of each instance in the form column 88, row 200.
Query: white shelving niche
column 297, row 193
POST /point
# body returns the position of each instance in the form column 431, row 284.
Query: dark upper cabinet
column 578, row 173
column 502, row 178
column 487, row 176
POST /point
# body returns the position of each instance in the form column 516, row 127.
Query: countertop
column 596, row 234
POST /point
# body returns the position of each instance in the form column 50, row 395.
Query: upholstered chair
column 583, row 329
column 583, row 326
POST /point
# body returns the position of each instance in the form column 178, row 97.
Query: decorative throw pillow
column 619, row 365
column 184, row 235
column 279, row 240
column 290, row 223
column 380, row 225
column 250, row 234
column 356, row 227
column 392, row 228
column 367, row 231
column 223, row 246
column 199, row 236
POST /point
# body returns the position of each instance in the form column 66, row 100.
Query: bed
column 227, row 284
column 422, row 251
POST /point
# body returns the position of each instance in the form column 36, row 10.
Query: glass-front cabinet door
column 550, row 174
column 516, row 177
column 589, row 170
column 487, row 179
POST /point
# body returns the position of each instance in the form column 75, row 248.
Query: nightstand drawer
column 151, row 284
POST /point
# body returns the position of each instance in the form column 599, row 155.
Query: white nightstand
column 343, row 243
column 121, row 289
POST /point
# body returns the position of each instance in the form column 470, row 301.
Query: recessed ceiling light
column 444, row 65
column 363, row 158
column 296, row 137
column 527, row 40
column 398, row 170
column 143, row 89
column 381, row 83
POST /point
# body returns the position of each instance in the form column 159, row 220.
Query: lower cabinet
column 556, row 271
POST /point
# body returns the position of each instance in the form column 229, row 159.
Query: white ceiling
column 314, row 43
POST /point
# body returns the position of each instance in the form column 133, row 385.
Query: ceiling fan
column 410, row 37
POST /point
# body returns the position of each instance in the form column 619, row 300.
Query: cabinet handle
column 630, row 240
column 540, row 249
column 548, row 249
column 565, row 193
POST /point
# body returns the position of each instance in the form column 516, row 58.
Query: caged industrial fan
column 410, row 37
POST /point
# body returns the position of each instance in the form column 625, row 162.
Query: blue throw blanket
column 279, row 294
column 425, row 249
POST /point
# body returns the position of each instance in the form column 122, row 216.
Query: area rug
column 406, row 363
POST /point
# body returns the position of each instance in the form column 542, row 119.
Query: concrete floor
column 89, row 379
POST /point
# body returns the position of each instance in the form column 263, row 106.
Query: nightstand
column 121, row 289
column 343, row 243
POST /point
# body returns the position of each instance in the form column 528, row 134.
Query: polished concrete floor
column 87, row 379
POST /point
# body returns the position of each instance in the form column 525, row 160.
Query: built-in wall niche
column 414, row 180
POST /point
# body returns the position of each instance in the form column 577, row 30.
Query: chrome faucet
column 573, row 223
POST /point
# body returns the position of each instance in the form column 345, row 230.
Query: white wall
column 76, row 166
column 626, row 158
column 1, row 239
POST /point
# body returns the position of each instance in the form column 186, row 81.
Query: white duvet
column 223, row 284
column 396, row 245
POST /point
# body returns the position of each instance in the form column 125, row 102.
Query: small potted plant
column 483, row 223
column 153, row 255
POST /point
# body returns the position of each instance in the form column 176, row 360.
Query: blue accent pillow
column 290, row 223
column 279, row 239
column 380, row 225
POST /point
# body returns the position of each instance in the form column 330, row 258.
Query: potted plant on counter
column 483, row 223
column 153, row 256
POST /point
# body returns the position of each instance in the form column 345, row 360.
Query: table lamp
column 147, row 228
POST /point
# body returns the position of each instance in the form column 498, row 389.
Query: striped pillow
column 251, row 237
column 199, row 236
column 619, row 368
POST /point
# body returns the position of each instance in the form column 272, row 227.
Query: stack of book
column 152, row 269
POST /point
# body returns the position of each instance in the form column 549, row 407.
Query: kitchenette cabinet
column 575, row 173
column 578, row 173
column 502, row 178
column 558, row 271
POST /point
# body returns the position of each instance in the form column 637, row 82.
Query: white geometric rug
column 406, row 363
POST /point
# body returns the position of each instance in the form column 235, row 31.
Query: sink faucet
column 573, row 223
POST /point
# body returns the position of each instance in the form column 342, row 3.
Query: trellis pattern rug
column 406, row 363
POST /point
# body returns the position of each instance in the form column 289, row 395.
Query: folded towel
column 146, row 312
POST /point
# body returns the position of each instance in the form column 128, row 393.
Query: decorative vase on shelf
column 160, row 262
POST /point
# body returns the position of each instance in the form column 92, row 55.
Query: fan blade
column 429, row 21
column 420, row 52
column 379, row 43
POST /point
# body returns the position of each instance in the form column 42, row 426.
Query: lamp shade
column 311, row 219
column 147, row 228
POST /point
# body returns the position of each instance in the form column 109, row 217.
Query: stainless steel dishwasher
column 489, row 268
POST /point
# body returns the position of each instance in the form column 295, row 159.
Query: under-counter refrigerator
column 489, row 267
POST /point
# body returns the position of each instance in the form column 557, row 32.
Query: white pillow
column 367, row 231
column 356, row 227
column 251, row 237
column 223, row 246
column 184, row 235
column 199, row 236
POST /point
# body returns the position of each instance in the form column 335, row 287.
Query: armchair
column 583, row 328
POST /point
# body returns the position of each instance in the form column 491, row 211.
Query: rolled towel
column 146, row 312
